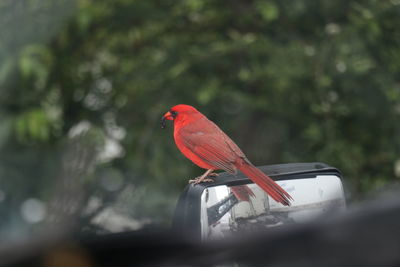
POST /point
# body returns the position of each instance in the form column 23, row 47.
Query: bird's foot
column 204, row 178
column 198, row 180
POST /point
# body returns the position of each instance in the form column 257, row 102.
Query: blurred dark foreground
column 367, row 235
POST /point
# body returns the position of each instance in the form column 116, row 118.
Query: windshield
column 83, row 85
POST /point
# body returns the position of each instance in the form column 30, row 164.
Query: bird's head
column 177, row 112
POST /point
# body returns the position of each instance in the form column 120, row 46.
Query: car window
column 83, row 85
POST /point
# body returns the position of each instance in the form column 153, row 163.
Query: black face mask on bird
column 170, row 115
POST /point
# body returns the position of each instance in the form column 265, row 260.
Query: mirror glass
column 226, row 210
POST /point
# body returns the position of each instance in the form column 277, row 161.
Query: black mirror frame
column 187, row 212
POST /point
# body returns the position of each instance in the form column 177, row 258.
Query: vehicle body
column 365, row 235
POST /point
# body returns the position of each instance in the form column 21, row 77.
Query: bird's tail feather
column 242, row 192
column 265, row 182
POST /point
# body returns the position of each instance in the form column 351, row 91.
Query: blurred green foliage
column 289, row 81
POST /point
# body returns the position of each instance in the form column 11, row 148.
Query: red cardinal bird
column 204, row 143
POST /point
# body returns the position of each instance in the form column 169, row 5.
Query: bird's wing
column 209, row 143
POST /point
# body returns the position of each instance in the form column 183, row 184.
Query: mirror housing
column 214, row 210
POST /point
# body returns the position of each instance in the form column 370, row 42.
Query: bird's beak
column 167, row 116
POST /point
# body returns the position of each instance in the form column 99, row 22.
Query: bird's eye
column 174, row 113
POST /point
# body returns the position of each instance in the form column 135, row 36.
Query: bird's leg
column 203, row 177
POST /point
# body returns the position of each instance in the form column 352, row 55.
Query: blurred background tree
column 83, row 85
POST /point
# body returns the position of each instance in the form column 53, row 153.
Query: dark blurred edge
column 367, row 235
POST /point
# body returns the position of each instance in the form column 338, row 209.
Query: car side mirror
column 233, row 204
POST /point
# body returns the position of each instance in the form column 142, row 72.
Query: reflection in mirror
column 229, row 210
